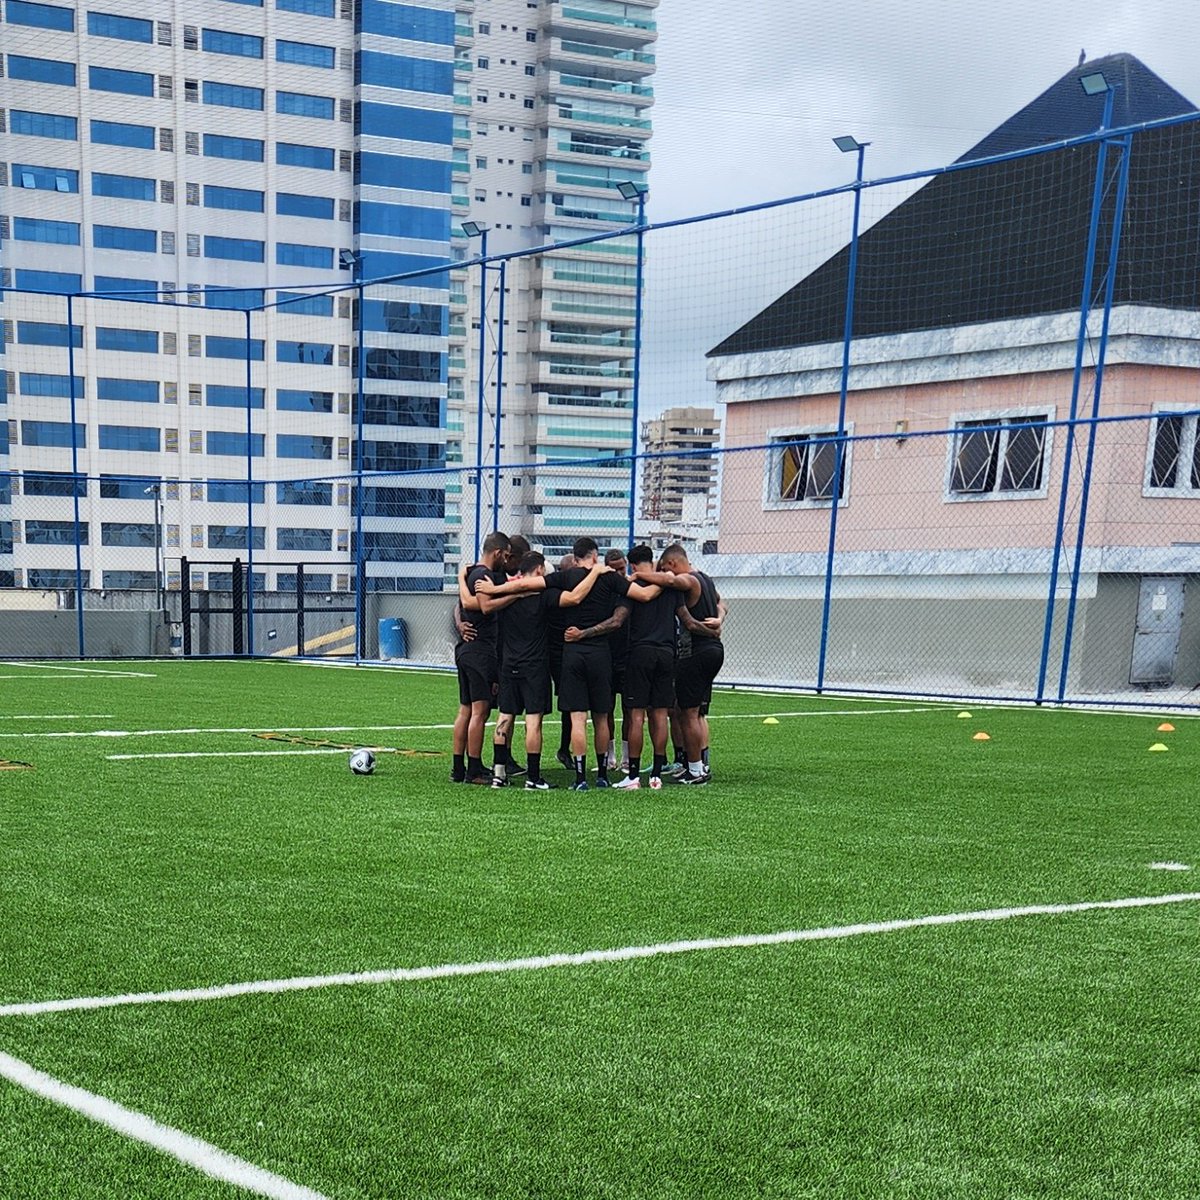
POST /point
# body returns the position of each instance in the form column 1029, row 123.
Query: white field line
column 121, row 733
column 205, row 1157
column 74, row 670
column 81, row 678
column 246, row 753
column 584, row 958
column 57, row 717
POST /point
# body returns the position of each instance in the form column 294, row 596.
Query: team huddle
column 596, row 629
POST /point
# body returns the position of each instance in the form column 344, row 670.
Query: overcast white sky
column 749, row 96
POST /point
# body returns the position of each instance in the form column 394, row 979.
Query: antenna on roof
column 1082, row 57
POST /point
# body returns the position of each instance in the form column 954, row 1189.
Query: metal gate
column 1156, row 638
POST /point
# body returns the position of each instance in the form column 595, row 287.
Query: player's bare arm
column 574, row 634
column 579, row 592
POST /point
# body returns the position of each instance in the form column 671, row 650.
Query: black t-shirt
column 705, row 606
column 525, row 649
column 599, row 603
column 485, row 624
column 652, row 622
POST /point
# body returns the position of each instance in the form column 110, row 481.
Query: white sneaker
column 632, row 783
column 655, row 783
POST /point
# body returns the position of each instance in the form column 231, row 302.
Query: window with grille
column 1173, row 459
column 999, row 456
column 802, row 466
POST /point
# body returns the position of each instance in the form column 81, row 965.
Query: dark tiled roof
column 1009, row 239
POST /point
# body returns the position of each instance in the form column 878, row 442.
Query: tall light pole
column 474, row 230
column 351, row 260
column 636, row 190
column 847, row 145
column 155, row 492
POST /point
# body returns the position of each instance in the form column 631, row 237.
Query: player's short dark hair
column 640, row 554
column 566, row 562
column 583, row 547
column 615, row 555
column 530, row 561
column 674, row 551
column 518, row 545
column 495, row 541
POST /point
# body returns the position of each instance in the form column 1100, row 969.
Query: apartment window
column 125, row 187
column 53, row 433
column 224, row 41
column 291, row 154
column 55, row 533
column 298, row 445
column 48, row 281
column 484, row 27
column 234, row 537
column 531, row 35
column 482, row 62
column 53, row 483
column 143, row 438
column 45, row 179
column 304, row 304
column 164, row 34
column 304, row 491
column 191, row 91
column 35, row 229
column 166, row 87
column 235, row 491
column 120, row 287
column 998, row 455
column 126, row 29
column 1174, row 455
column 217, row 145
column 132, row 341
column 238, row 199
column 530, row 69
column 235, row 249
column 47, row 125
column 140, row 391
column 481, row 162
column 233, row 445
column 303, row 539
column 232, row 95
column 122, row 237
column 293, row 400
column 41, row 16
column 316, row 353
column 301, row 104
column 117, row 133
column 292, row 204
column 801, row 467
column 231, row 347
column 124, row 487
column 38, row 384
column 192, row 191
column 191, row 142
column 314, row 8
column 304, row 53
column 41, row 70
column 128, row 83
column 166, row 140
column 223, row 395
column 191, row 37
column 48, row 333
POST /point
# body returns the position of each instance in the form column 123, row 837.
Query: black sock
column 460, row 766
column 660, row 761
column 580, row 768
column 475, row 766
column 704, row 757
column 564, row 741
column 635, row 767
column 680, row 756
column 500, row 754
column 602, row 766
column 535, row 766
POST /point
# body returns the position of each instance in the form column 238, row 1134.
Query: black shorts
column 586, row 679
column 694, row 675
column 650, row 678
column 525, row 693
column 476, row 676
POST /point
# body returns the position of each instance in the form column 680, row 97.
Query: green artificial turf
column 1053, row 1055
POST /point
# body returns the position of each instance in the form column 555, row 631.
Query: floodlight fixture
column 631, row 189
column 348, row 259
column 474, row 229
column 1094, row 83
column 847, row 144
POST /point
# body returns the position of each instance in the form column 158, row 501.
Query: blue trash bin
column 393, row 638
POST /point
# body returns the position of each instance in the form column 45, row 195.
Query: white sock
column 695, row 768
column 624, row 751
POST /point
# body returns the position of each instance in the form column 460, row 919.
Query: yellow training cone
column 963, row 715
column 1158, row 746
column 1166, row 727
column 770, row 721
column 981, row 737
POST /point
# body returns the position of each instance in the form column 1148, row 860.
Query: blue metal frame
column 499, row 397
column 75, row 477
column 360, row 562
column 483, row 270
column 635, row 399
column 249, row 495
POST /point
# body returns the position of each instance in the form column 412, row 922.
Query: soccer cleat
column 602, row 782
column 537, row 785
column 515, row 771
column 498, row 782
column 688, row 777
column 456, row 778
column 672, row 770
column 656, row 782
column 630, row 784
column 483, row 780
column 580, row 785
column 563, row 757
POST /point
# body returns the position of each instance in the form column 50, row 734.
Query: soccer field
column 875, row 957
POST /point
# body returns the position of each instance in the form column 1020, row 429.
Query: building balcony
column 592, row 59
column 577, row 17
column 602, row 373
column 564, row 108
column 598, row 150
column 601, row 342
column 573, row 82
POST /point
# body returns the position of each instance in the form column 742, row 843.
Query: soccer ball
column 362, row 762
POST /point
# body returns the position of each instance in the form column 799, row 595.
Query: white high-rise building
column 260, row 147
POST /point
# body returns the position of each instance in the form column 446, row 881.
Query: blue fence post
column 483, row 240
column 499, row 396
column 1114, row 253
column 844, row 144
column 75, row 478
column 249, row 494
column 1089, row 269
column 639, row 192
column 360, row 573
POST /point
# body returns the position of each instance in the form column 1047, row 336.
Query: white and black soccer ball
column 362, row 762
